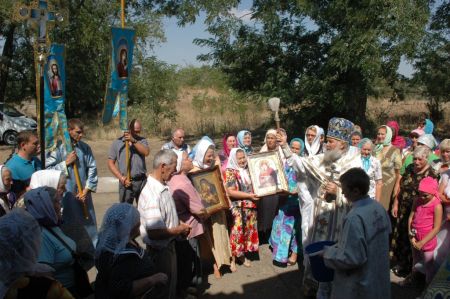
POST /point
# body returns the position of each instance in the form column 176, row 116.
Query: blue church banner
column 54, row 98
column 120, row 67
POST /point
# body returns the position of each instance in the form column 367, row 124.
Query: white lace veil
column 115, row 231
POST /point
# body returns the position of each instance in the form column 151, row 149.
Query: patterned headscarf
column 39, row 204
column 118, row 222
column 302, row 145
column 233, row 164
column 387, row 139
column 240, row 139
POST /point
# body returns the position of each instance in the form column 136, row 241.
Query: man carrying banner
column 139, row 149
column 76, row 225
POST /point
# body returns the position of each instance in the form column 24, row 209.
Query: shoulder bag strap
column 60, row 240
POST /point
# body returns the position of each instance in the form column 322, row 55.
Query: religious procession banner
column 54, row 99
column 120, row 70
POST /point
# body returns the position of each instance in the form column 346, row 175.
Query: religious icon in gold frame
column 209, row 185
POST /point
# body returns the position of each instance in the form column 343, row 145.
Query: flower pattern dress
column 409, row 190
column 286, row 225
column 244, row 231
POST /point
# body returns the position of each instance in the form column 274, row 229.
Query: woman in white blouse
column 372, row 167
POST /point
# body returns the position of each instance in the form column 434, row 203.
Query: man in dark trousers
column 129, row 190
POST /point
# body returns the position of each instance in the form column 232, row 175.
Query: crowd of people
column 385, row 202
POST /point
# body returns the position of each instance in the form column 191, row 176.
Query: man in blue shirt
column 24, row 162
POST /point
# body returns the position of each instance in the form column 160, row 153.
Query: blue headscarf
column 302, row 145
column 240, row 138
column 365, row 160
column 429, row 127
column 39, row 204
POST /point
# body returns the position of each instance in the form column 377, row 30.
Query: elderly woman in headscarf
column 44, row 204
column 397, row 140
column 228, row 142
column 268, row 205
column 124, row 268
column 391, row 162
column 244, row 141
column 427, row 140
column 7, row 198
column 56, row 179
column 403, row 202
column 216, row 228
column 244, row 230
column 313, row 141
column 372, row 167
column 21, row 276
column 297, row 146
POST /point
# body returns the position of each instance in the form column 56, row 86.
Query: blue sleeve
column 47, row 251
column 91, row 165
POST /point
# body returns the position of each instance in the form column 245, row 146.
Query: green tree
column 433, row 62
column 87, row 40
column 321, row 57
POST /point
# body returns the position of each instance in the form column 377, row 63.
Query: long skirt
column 267, row 210
column 244, row 232
column 285, row 233
column 217, row 238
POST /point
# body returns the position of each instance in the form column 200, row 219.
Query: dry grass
column 407, row 113
column 207, row 112
column 202, row 112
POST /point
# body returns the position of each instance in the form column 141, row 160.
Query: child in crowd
column 424, row 223
column 360, row 258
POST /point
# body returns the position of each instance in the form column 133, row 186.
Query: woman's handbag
column 82, row 286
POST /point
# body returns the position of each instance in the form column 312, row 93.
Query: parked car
column 12, row 122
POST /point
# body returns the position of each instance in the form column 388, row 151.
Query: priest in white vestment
column 322, row 204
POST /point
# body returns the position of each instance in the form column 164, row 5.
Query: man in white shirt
column 159, row 220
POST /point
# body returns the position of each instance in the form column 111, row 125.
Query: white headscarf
column 45, row 178
column 202, row 147
column 179, row 158
column 2, row 185
column 116, row 227
column 269, row 132
column 233, row 164
column 20, row 241
column 313, row 149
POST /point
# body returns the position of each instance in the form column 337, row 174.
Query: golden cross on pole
column 41, row 16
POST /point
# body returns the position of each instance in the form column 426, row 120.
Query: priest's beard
column 331, row 156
